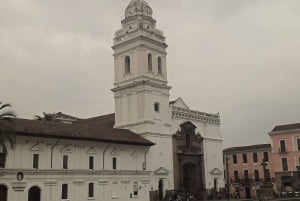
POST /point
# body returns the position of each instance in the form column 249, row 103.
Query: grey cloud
column 239, row 58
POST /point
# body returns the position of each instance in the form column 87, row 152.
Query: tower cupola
column 138, row 7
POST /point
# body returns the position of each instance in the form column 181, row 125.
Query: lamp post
column 227, row 178
column 264, row 164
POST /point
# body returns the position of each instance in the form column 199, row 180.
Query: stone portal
column 188, row 161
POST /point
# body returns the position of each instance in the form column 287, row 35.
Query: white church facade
column 147, row 148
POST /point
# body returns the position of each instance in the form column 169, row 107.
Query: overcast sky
column 239, row 58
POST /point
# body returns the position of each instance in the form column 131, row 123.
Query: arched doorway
column 189, row 177
column 160, row 189
column 3, row 193
column 34, row 194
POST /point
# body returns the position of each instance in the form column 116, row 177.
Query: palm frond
column 7, row 114
column 4, row 105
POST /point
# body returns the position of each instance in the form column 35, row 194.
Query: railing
column 282, row 150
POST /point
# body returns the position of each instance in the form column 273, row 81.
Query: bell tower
column 140, row 81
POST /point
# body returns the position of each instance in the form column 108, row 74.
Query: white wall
column 212, row 145
column 107, row 183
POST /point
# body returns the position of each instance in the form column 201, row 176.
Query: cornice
column 142, row 78
column 213, row 139
column 139, row 38
column 138, row 83
column 135, row 124
column 45, row 172
column 135, row 17
column 187, row 114
column 294, row 131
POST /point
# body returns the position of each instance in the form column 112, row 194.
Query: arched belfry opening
column 150, row 62
column 34, row 194
column 127, row 64
column 159, row 66
column 188, row 160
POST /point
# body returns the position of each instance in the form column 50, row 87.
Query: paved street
column 276, row 199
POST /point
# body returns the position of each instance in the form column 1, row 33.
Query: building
column 149, row 146
column 285, row 141
column 244, row 169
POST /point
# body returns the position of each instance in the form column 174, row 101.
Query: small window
column 236, row 176
column 149, row 62
column 234, row 158
column 255, row 159
column 64, row 191
column 65, row 162
column 114, row 163
column 298, row 144
column 91, row 190
column 246, row 174
column 268, row 176
column 256, row 175
column 159, row 67
column 156, row 107
column 284, row 164
column 244, row 158
column 266, row 156
column 144, row 165
column 91, row 162
column 282, row 146
column 35, row 161
column 127, row 64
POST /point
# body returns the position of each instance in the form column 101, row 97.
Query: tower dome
column 138, row 7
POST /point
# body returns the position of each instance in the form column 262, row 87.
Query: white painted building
column 123, row 156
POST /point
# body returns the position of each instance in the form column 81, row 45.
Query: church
column 149, row 149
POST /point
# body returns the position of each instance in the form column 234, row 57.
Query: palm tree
column 46, row 117
column 7, row 127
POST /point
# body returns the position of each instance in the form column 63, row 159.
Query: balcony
column 235, row 180
column 246, row 181
column 282, row 150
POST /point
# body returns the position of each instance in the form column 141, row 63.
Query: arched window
column 34, row 194
column 127, row 64
column 149, row 62
column 3, row 193
column 159, row 67
column 91, row 190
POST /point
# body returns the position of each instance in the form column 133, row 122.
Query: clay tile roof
column 247, row 148
column 94, row 129
column 286, row 127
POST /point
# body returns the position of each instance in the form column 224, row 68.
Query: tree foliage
column 46, row 117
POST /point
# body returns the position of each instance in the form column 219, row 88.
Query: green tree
column 7, row 126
